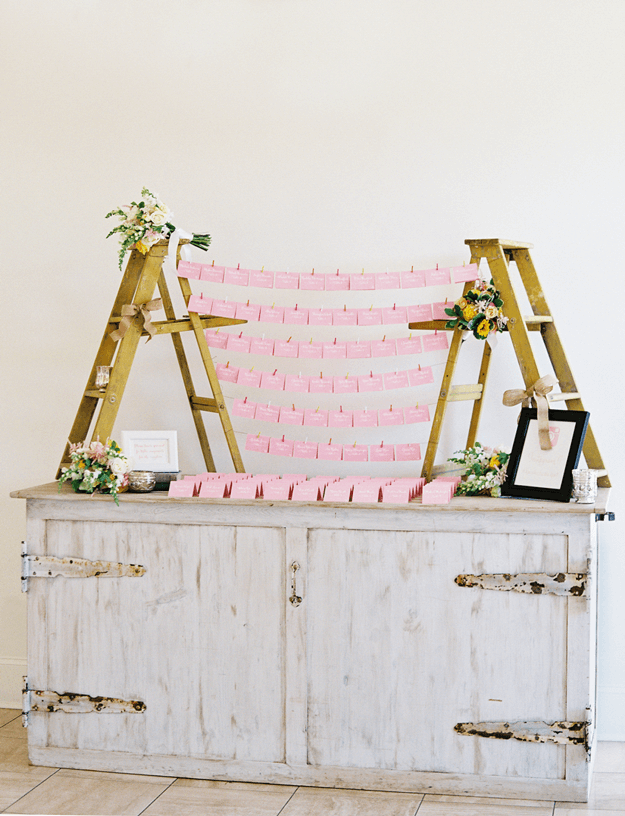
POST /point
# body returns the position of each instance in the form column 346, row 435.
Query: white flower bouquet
column 485, row 470
column 96, row 468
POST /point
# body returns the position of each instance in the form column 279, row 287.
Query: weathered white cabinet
column 321, row 645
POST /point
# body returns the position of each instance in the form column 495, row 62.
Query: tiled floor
column 28, row 789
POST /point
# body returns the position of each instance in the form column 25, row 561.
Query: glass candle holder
column 584, row 486
column 102, row 376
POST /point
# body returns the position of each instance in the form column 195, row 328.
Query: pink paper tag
column 181, row 488
column 320, row 385
column 277, row 490
column 305, row 450
column 260, row 278
column 396, row 494
column 383, row 348
column 366, row 492
column 420, row 413
column 238, row 342
column 362, row 281
column 419, row 313
column 286, row 280
column 370, row 317
column 306, row 491
column 312, row 350
column 271, row 314
column 274, row 381
column 312, row 282
column 412, row 280
column 387, row 280
column 334, row 350
column 214, row 489
column 258, row 443
column 436, row 493
column 317, row 417
column 371, row 382
column 438, row 310
column 212, row 273
column 420, row 376
column 291, row 416
column 216, row 339
column 394, row 314
column 382, row 453
column 437, row 277
column 344, row 317
column 279, row 447
column 355, row 453
column 240, row 277
column 319, row 317
column 397, row 379
column 249, row 378
column 200, row 304
column 345, row 385
column 388, row 416
column 261, row 345
column 248, row 489
column 294, row 383
column 462, row 274
column 243, row 408
column 340, row 419
column 187, row 269
column 224, row 308
column 295, row 316
column 294, row 478
column 434, row 342
column 336, row 282
column 358, row 350
column 338, row 492
column 286, row 348
column 227, row 373
column 365, row 419
column 267, row 413
column 409, row 345
column 247, row 311
column 408, row 452
column 330, row 452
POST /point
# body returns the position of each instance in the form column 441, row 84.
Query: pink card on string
column 258, row 443
column 305, row 450
column 261, row 345
column 382, row 453
column 316, row 416
column 214, row 489
column 438, row 310
column 358, row 350
column 340, row 419
column 224, row 308
column 238, row 342
column 311, row 350
column 260, row 278
column 396, row 379
column 247, row 311
column 408, row 452
column 409, row 345
column 434, row 342
column 391, row 416
column 295, row 316
column 371, row 382
column 418, row 413
column 216, row 339
column 187, row 269
column 243, row 408
column 462, row 274
column 200, row 304
column 362, row 281
column 394, row 314
column 365, row 419
column 240, row 277
column 338, row 492
column 387, row 280
column 286, row 280
column 366, row 492
column 279, row 447
column 334, row 350
column 320, row 385
column 277, row 490
column 312, row 282
column 412, row 279
column 320, row 317
column 272, row 380
column 227, row 373
column 370, row 317
column 420, row 376
column 271, row 314
column 383, row 348
column 212, row 273
column 306, row 491
column 355, row 453
column 344, row 317
column 249, row 378
column 419, row 312
column 330, row 452
column 286, row 348
column 336, row 282
column 267, row 413
column 291, row 416
column 345, row 385
column 396, row 494
column 296, row 383
column 437, row 277
column 181, row 489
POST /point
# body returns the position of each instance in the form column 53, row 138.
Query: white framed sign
column 151, row 450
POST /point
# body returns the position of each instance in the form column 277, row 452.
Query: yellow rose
column 469, row 312
column 484, row 328
column 462, row 303
column 141, row 247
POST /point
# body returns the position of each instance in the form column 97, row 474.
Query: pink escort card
column 336, row 281
column 435, row 342
column 368, row 492
column 240, row 277
column 238, row 342
column 224, row 308
column 437, row 492
column 437, row 277
column 365, row 419
column 320, row 385
column 295, row 316
column 462, row 274
column 420, row 413
column 286, row 348
column 419, row 313
column 412, row 279
column 312, row 282
column 272, row 380
column 330, row 452
column 408, row 452
column 277, row 490
column 200, row 304
column 280, row 447
column 227, row 373
column 213, row 489
column 397, row 379
column 371, row 382
column 396, row 493
column 370, row 317
column 291, row 416
column 390, row 416
column 388, row 280
column 311, row 350
column 249, row 489
column 340, row 419
column 212, row 273
column 345, row 385
column 334, row 350
column 438, row 310
column 216, row 339
column 338, row 492
column 306, row 491
column 286, row 280
column 296, row 383
column 355, row 453
column 383, row 348
column 243, row 408
column 382, row 453
column 409, row 345
column 250, row 378
column 260, row 278
column 362, row 281
column 267, row 413
column 344, row 317
column 247, row 311
column 421, row 376
column 320, row 317
column 258, row 443
column 271, row 314
column 261, row 345
column 305, row 450
column 187, row 269
column 394, row 314
column 181, row 488
column 358, row 350
column 315, row 416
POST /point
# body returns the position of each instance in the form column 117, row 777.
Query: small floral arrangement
column 479, row 311
column 146, row 222
column 485, row 470
column 96, row 468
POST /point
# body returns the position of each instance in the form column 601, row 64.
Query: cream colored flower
column 158, row 218
column 491, row 311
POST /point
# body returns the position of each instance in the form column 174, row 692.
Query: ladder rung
column 205, row 404
column 458, row 393
column 91, row 392
column 537, row 320
column 184, row 324
column 571, row 395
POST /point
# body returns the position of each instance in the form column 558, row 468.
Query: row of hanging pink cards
column 321, row 418
column 330, row 282
column 331, row 349
column 295, row 316
column 407, row 452
column 440, row 490
column 303, row 384
column 296, row 487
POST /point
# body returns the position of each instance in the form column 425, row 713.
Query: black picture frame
column 536, row 474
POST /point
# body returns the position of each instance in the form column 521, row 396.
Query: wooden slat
column 205, row 404
column 478, row 242
column 460, row 393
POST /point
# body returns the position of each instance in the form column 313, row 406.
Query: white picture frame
column 151, row 450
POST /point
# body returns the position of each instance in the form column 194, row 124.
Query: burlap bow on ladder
column 536, row 393
column 128, row 314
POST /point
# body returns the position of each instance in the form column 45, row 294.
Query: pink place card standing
column 182, row 488
column 391, row 416
column 271, row 314
column 434, row 342
column 388, row 280
column 358, row 350
column 419, row 312
column 286, row 280
column 421, row 375
column 437, row 277
column 355, row 453
column 336, row 282
column 273, row 380
column 409, row 345
column 238, row 342
column 436, row 493
column 365, row 418
column 243, row 408
column 305, row 450
column 212, row 273
column 371, row 382
column 261, row 345
column 277, row 490
column 345, row 385
column 224, row 308
column 320, row 385
column 408, row 452
column 338, row 492
column 438, row 310
column 362, row 281
column 216, row 339
column 213, row 489
column 294, row 478
column 286, row 348
column 344, row 317
column 370, row 317
column 247, row 311
column 188, row 269
column 260, row 278
column 394, row 314
column 334, row 350
column 296, row 383
column 366, row 492
column 316, row 416
column 462, row 274
column 382, row 453
column 320, row 317
column 295, row 316
column 249, row 378
column 412, row 279
column 291, row 416
column 312, row 282
column 383, row 348
column 311, row 350
column 330, row 452
column 396, row 494
column 227, row 373
column 279, row 447
column 455, row 480
column 258, row 443
column 418, row 413
column 249, row 489
column 200, row 304
column 306, row 491
column 240, row 277
column 396, row 379
column 340, row 419
column 267, row 413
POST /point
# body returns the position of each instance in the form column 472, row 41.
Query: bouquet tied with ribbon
column 479, row 311
column 484, row 470
column 96, row 468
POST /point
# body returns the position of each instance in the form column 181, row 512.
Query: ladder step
column 458, row 393
column 533, row 323
column 90, row 392
column 564, row 396
column 205, row 404
column 184, row 324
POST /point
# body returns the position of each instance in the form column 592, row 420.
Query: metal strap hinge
column 48, row 566
column 50, row 701
column 563, row 733
column 571, row 584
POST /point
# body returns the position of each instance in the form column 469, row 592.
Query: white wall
column 325, row 134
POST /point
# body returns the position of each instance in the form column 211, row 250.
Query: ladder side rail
column 479, row 402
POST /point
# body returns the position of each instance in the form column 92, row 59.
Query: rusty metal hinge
column 571, row 584
column 48, row 566
column 562, row 733
column 51, row 701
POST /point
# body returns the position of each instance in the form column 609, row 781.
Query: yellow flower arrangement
column 479, row 311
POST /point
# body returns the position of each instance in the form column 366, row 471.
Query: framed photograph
column 545, row 474
column 151, row 450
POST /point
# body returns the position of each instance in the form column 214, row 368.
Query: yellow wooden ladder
column 143, row 274
column 499, row 254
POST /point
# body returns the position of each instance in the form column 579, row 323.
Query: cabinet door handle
column 295, row 598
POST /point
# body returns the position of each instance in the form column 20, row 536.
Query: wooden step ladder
column 499, row 254
column 143, row 274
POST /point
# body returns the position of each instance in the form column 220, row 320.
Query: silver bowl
column 141, row 481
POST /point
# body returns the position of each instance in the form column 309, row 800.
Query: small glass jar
column 141, row 481
column 584, row 486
